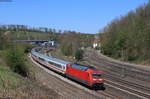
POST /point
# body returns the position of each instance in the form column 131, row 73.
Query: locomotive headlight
column 97, row 79
column 94, row 79
column 100, row 79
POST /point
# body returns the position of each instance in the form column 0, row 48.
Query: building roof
column 97, row 41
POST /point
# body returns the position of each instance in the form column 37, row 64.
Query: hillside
column 128, row 37
column 14, row 86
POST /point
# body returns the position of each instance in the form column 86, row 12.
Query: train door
column 64, row 68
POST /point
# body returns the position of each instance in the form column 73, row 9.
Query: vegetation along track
column 113, row 78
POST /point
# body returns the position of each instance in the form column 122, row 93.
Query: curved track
column 68, row 91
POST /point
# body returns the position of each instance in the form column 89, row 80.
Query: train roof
column 80, row 67
column 84, row 68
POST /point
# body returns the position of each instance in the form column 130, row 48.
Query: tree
column 15, row 59
column 79, row 54
column 69, row 43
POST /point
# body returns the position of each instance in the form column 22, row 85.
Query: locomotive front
column 97, row 78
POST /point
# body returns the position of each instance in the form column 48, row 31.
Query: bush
column 98, row 48
column 27, row 48
column 67, row 49
column 79, row 54
column 16, row 60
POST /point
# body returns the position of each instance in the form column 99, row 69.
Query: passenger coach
column 53, row 63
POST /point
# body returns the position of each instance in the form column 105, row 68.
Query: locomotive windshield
column 97, row 74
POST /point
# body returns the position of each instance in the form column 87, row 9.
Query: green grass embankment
column 15, row 86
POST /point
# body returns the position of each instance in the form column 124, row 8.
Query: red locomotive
column 89, row 76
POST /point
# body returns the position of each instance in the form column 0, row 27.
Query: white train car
column 53, row 63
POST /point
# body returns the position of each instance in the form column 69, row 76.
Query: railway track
column 129, row 87
column 122, row 68
column 109, row 95
column 145, row 89
column 110, row 74
column 134, row 89
column 137, row 93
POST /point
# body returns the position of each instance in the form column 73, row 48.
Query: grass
column 10, row 82
column 9, row 79
column 13, row 85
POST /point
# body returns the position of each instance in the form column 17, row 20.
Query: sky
column 86, row 16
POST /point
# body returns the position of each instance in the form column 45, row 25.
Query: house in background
column 96, row 43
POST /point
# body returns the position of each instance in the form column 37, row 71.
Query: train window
column 64, row 67
column 54, row 64
column 50, row 63
column 59, row 66
column 41, row 59
column 97, row 74
column 93, row 68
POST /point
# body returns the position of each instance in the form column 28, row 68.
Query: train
column 89, row 76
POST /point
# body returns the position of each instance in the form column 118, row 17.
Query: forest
column 128, row 37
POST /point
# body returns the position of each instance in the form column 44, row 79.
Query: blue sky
column 88, row 16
